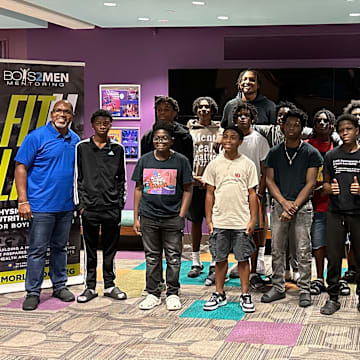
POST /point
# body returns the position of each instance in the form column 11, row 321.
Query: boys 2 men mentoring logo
column 24, row 76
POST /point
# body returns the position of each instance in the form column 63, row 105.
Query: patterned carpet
column 107, row 329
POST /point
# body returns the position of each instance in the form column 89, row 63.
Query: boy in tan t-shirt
column 231, row 209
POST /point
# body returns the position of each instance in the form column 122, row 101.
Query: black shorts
column 196, row 212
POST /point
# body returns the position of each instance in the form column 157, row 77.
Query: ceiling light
column 109, row 4
column 222, row 17
column 198, row 2
column 354, row 14
column 143, row 18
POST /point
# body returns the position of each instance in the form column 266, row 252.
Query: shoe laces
column 216, row 296
column 246, row 298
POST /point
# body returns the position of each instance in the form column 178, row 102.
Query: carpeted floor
column 108, row 329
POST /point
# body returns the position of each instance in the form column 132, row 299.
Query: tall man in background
column 249, row 90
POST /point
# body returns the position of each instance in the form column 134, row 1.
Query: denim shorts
column 196, row 212
column 318, row 230
column 224, row 241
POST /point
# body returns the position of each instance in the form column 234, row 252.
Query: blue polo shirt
column 50, row 159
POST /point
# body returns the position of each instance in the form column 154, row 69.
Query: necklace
column 291, row 159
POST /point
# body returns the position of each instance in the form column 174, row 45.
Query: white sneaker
column 149, row 302
column 215, row 301
column 173, row 303
column 246, row 303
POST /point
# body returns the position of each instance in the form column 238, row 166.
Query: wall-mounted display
column 122, row 101
column 129, row 138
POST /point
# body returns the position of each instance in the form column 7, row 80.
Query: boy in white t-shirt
column 256, row 148
column 231, row 209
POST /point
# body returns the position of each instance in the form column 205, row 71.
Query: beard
column 60, row 124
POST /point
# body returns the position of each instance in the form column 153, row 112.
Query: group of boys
column 182, row 173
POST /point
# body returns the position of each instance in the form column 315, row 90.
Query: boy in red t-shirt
column 323, row 126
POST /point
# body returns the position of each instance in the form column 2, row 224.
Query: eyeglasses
column 102, row 123
column 161, row 139
column 59, row 111
column 204, row 106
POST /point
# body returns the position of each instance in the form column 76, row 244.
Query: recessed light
column 354, row 14
column 222, row 17
column 143, row 18
column 198, row 2
column 109, row 4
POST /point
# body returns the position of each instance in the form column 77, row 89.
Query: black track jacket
column 100, row 176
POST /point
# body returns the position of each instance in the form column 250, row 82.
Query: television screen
column 310, row 89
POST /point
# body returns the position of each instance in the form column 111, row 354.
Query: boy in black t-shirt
column 341, row 182
column 161, row 198
column 292, row 167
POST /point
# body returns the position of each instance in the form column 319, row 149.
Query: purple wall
column 143, row 56
column 17, row 41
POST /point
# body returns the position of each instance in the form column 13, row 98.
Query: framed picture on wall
column 122, row 101
column 129, row 138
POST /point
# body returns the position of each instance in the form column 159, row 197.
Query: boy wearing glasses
column 100, row 194
column 162, row 196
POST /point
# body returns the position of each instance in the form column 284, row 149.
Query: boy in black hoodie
column 167, row 108
column 249, row 90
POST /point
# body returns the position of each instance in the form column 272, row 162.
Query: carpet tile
column 252, row 332
column 231, row 311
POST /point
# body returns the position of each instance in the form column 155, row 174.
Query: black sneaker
column 330, row 307
column 31, row 302
column 215, row 301
column 349, row 276
column 64, row 294
column 195, row 271
column 246, row 303
column 256, row 282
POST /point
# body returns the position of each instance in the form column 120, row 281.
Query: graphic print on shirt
column 204, row 151
column 159, row 181
column 346, row 166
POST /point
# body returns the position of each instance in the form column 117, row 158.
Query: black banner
column 28, row 91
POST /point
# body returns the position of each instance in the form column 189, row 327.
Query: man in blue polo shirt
column 44, row 176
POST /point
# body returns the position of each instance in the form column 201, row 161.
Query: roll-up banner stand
column 28, row 92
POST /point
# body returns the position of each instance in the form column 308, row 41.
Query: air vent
column 4, row 46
